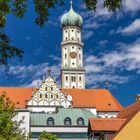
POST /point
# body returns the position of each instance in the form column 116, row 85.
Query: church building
column 64, row 111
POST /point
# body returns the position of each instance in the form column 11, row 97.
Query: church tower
column 72, row 70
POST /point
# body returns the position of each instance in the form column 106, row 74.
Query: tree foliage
column 47, row 136
column 19, row 7
column 9, row 129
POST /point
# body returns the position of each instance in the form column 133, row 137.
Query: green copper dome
column 71, row 19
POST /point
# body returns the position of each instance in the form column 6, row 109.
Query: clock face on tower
column 73, row 54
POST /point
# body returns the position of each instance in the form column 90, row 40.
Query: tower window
column 78, row 32
column 66, row 78
column 46, row 88
column 79, row 56
column 66, row 38
column 51, row 88
column 65, row 56
column 73, row 87
column 72, row 30
column 46, row 96
column 73, row 63
column 79, row 48
column 72, row 47
column 73, row 78
column 80, row 79
column 66, row 31
column 67, row 121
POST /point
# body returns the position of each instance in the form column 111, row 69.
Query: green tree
column 19, row 7
column 9, row 129
column 47, row 136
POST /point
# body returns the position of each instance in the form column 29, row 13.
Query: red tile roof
column 18, row 95
column 106, row 124
column 129, row 111
column 102, row 99
column 86, row 98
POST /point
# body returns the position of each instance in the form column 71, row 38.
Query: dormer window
column 80, row 121
column 50, row 121
column 67, row 121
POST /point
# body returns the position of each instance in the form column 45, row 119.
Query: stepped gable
column 102, row 99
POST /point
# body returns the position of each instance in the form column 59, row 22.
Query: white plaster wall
column 72, row 33
column 65, row 34
column 41, row 109
column 79, row 34
column 59, row 129
column 107, row 114
column 92, row 110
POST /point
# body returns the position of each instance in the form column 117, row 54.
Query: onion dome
column 71, row 18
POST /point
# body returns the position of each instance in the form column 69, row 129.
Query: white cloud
column 112, row 66
column 133, row 28
column 131, row 5
column 87, row 34
column 93, row 20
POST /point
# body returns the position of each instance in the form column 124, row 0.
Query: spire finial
column 49, row 72
column 71, row 3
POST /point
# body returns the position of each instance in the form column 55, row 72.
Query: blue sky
column 111, row 50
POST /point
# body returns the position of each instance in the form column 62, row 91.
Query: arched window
column 65, row 55
column 79, row 56
column 51, row 96
column 67, row 121
column 66, row 78
column 80, row 121
column 80, row 79
column 40, row 95
column 51, row 88
column 50, row 121
column 57, row 96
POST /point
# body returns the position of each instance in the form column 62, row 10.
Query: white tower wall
column 73, row 73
